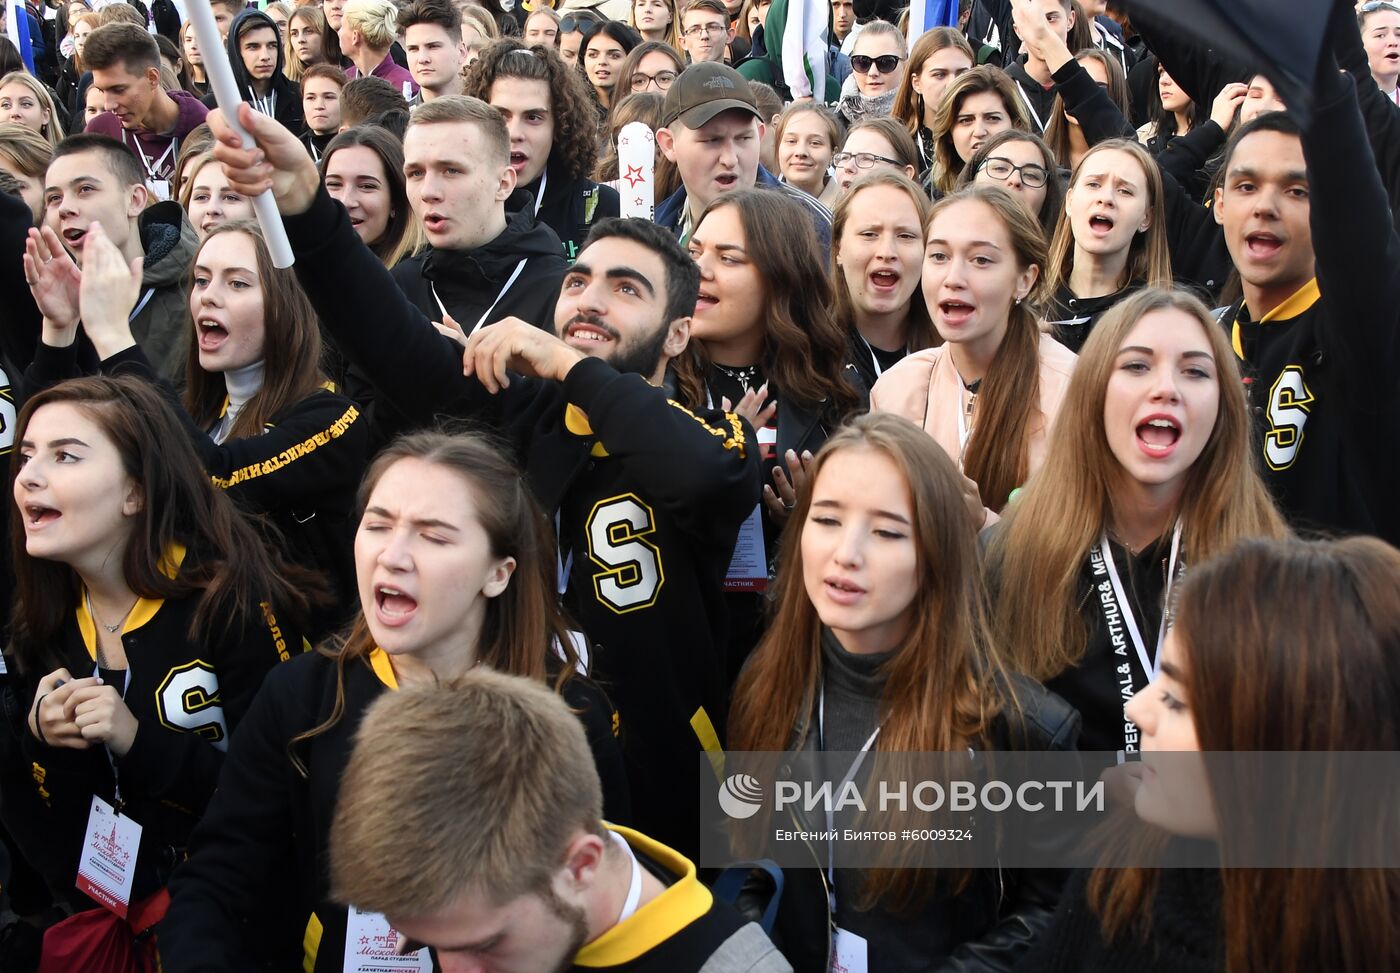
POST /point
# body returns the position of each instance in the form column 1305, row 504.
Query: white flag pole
column 215, row 54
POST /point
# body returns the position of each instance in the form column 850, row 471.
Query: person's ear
column 499, row 578
column 134, row 501
column 153, row 76
column 137, row 200
column 910, row 171
column 666, row 142
column 1025, row 282
column 507, row 184
column 733, row 32
column 1219, row 208
column 677, row 338
column 583, row 864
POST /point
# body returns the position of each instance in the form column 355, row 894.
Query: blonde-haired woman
column 657, row 20
column 1148, row 472
column 366, row 34
column 306, row 42
column 25, row 101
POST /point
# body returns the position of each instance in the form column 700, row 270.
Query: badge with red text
column 371, row 946
column 107, row 863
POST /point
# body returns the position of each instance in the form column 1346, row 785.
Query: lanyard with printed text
column 1150, row 665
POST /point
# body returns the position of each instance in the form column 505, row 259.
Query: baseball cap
column 704, row 90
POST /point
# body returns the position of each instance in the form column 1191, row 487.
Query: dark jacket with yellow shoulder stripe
column 1321, row 368
column 648, row 497
column 187, row 695
column 259, row 859
column 303, row 471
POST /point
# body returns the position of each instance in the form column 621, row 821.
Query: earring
column 1018, row 301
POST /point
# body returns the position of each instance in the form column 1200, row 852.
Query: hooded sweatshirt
column 571, row 204
column 283, row 98
column 767, row 65
column 155, row 151
column 162, row 314
column 476, row 286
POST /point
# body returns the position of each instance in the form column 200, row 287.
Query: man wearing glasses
column 705, row 30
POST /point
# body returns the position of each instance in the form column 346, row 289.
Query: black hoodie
column 474, row 283
column 571, row 204
column 285, row 93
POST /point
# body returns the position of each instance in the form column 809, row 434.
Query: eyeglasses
column 704, row 30
column 662, row 79
column 1001, row 169
column 860, row 63
column 581, row 22
column 863, row 160
column 1372, row 7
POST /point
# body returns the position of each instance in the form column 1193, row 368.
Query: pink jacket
column 925, row 388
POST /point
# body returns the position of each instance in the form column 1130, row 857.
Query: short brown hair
column 473, row 111
column 477, row 786
column 712, row 6
column 328, row 71
column 363, row 99
column 439, row 12
column 120, row 13
column 125, row 44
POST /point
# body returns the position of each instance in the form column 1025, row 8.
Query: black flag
column 1284, row 39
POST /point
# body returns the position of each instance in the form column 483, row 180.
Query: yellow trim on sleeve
column 291, row 454
column 709, row 740
column 682, row 902
column 311, row 943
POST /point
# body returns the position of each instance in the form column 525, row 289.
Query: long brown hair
column 231, row 568
column 1149, row 260
column 909, row 105
column 921, row 331
column 804, row 349
column 291, row 347
column 524, row 621
column 1286, row 646
column 404, row 234
column 997, row 456
column 1037, row 556
column 942, row 687
column 947, row 164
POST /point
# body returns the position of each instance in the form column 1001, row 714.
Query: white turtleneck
column 241, row 384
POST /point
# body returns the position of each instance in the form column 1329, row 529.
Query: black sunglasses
column 860, row 63
column 581, row 22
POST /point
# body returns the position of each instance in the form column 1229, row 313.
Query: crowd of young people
column 398, row 600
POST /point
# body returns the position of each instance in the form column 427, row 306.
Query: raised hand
column 781, row 497
column 53, row 279
column 108, row 293
column 513, row 345
column 1222, row 110
column 278, row 161
column 1037, row 36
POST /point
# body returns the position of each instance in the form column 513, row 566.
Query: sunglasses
column 860, row 63
column 1375, row 5
column 580, row 22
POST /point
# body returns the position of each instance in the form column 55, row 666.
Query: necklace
column 112, row 629
column 744, row 376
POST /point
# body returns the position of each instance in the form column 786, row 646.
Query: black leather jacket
column 988, row 926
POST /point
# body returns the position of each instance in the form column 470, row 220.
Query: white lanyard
column 874, row 358
column 1035, row 115
column 964, row 428
column 487, row 313
column 268, row 105
column 1151, row 665
column 566, row 564
column 634, row 891
column 855, row 768
column 126, row 684
column 315, row 152
column 152, row 167
column 141, row 304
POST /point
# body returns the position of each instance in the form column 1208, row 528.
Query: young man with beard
column 647, row 493
column 432, row 39
column 1309, row 230
column 147, row 119
column 255, row 54
column 93, row 179
column 424, row 834
column 553, row 142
